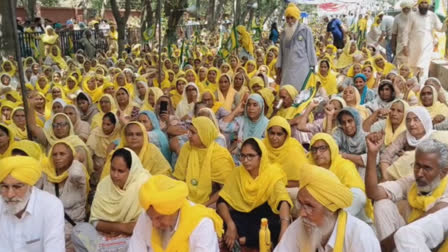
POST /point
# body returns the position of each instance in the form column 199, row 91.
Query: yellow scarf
column 190, row 216
column 95, row 93
column 157, row 93
column 196, row 166
column 71, row 92
column 391, row 135
column 150, row 156
column 114, row 204
column 290, row 148
column 291, row 112
column 251, row 74
column 213, row 86
column 46, row 87
column 13, row 70
column 227, row 101
column 99, row 141
column 340, row 236
column 58, row 58
column 128, row 86
column 388, row 67
column 437, row 107
column 329, row 82
column 18, row 132
column 346, row 58
column 97, row 119
column 420, row 203
column 8, row 151
column 269, row 98
column 244, row 193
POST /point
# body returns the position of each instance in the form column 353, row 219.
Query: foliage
column 49, row 3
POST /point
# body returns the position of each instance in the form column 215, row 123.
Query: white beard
column 309, row 236
column 430, row 187
column 15, row 205
column 289, row 30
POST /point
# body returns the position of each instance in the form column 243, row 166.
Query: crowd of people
column 337, row 137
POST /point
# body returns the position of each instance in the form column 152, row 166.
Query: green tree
column 49, row 3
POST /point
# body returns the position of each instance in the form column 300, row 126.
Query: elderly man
column 425, row 191
column 171, row 222
column 30, row 219
column 418, row 38
column 323, row 225
column 398, row 29
column 297, row 56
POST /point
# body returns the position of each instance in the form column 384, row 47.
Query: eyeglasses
column 319, row 149
column 16, row 187
column 60, row 125
column 248, row 157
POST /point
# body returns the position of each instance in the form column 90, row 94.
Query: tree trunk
column 121, row 22
column 7, row 45
column 30, row 8
column 198, row 6
column 219, row 10
column 237, row 17
column 211, row 14
column 147, row 16
column 174, row 14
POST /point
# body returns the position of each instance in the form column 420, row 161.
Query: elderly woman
column 125, row 106
column 153, row 94
column 177, row 93
column 226, row 94
column 253, row 191
column 105, row 105
column 429, row 99
column 116, row 207
column 190, row 95
column 6, row 141
column 352, row 99
column 134, row 137
column 67, row 178
column 203, row 163
column 81, row 128
column 155, row 135
column 324, row 152
column 418, row 128
column 18, row 123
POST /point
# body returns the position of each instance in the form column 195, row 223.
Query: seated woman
column 190, row 95
column 6, row 141
column 240, row 84
column 253, row 191
column 203, row 163
column 226, row 94
column 134, row 137
column 386, row 94
column 246, row 120
column 86, row 107
column 208, row 98
column 429, row 99
column 352, row 99
column 153, row 94
column 5, row 111
column 327, row 77
column 99, row 141
column 403, row 92
column 418, row 128
column 324, row 152
column 256, row 83
column 350, row 138
column 105, row 105
column 116, row 207
column 176, row 94
column 126, row 107
column 155, row 135
column 81, row 128
column 67, row 178
column 18, row 123
column 393, row 125
column 57, row 106
column 220, row 139
column 366, row 93
column 369, row 73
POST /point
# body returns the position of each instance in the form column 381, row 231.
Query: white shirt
column 202, row 239
column 424, row 234
column 40, row 229
column 358, row 237
column 386, row 26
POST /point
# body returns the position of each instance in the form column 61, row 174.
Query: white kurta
column 398, row 29
column 420, row 40
column 423, row 234
column 358, row 237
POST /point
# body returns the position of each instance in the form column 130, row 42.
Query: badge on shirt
column 194, row 182
column 300, row 38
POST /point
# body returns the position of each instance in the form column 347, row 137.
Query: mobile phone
column 163, row 107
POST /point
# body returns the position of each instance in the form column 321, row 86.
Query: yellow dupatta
column 8, row 151
column 244, row 193
column 227, row 101
column 49, row 39
column 437, row 108
column 157, row 93
column 388, row 67
column 251, row 74
column 346, row 58
column 211, row 85
column 46, row 87
column 114, row 204
column 150, row 156
column 95, row 93
column 391, row 135
column 13, row 70
column 7, row 104
column 269, row 98
column 97, row 119
column 58, row 58
column 293, row 167
column 50, row 170
column 216, row 105
column 70, row 92
column 18, row 132
column 195, row 165
column 421, row 203
column 329, row 82
column 99, row 141
column 289, row 113
column 128, row 86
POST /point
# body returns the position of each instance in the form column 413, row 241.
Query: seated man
column 323, row 224
column 425, row 191
column 424, row 234
column 30, row 219
column 171, row 222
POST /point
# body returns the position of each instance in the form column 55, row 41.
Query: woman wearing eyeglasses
column 324, row 152
column 253, row 191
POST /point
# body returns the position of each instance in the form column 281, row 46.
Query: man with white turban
column 297, row 55
column 323, row 224
column 398, row 29
column 171, row 222
column 30, row 219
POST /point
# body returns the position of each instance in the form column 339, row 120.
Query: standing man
column 30, row 219
column 398, row 30
column 297, row 56
column 419, row 39
column 386, row 35
column 337, row 29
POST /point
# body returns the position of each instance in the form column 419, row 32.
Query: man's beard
column 422, row 11
column 289, row 30
column 16, row 204
column 309, row 236
column 431, row 186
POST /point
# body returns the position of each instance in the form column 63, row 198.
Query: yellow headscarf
column 283, row 154
column 291, row 112
column 157, row 92
column 99, row 141
column 216, row 105
column 351, row 70
column 228, row 101
column 94, row 94
column 114, row 204
column 13, row 70
column 437, row 107
column 211, row 85
column 427, row 1
column 18, row 132
column 292, row 11
column 31, row 148
column 7, row 104
column 50, row 170
column 128, row 86
column 11, row 135
column 269, row 98
column 244, row 193
column 256, row 81
column 346, row 58
column 167, row 196
column 150, row 156
column 391, row 135
column 175, row 95
column 97, row 119
column 71, row 92
column 58, row 58
column 46, row 87
column 329, row 82
column 200, row 167
column 421, row 203
column 49, row 39
column 251, row 74
column 25, row 169
column 388, row 67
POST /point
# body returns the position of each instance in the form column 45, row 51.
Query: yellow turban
column 25, row 169
column 421, row 1
column 207, row 130
column 292, row 11
column 31, row 148
column 292, row 91
column 163, row 193
column 325, row 187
